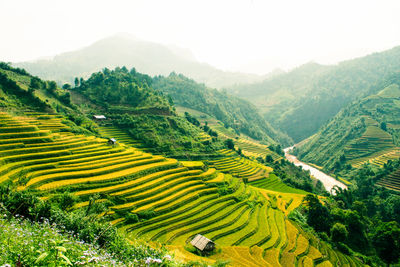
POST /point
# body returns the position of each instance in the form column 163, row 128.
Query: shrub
column 146, row 214
column 65, row 200
column 132, row 218
column 339, row 232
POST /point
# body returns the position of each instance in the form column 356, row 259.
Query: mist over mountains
column 299, row 102
column 126, row 50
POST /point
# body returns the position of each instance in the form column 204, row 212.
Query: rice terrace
column 199, row 133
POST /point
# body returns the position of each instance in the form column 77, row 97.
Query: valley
column 328, row 181
column 135, row 153
column 181, row 198
column 235, row 198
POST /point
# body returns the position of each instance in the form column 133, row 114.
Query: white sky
column 246, row 35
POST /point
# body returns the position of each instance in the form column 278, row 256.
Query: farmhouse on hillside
column 99, row 117
column 112, row 141
column 202, row 243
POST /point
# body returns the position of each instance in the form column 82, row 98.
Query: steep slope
column 234, row 112
column 125, row 50
column 301, row 101
column 123, row 96
column 365, row 131
column 260, row 165
column 157, row 199
column 129, row 102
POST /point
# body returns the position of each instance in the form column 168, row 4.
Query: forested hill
column 123, row 90
column 366, row 131
column 125, row 50
column 234, row 112
column 133, row 106
column 301, row 101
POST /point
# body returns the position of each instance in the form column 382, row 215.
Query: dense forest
column 363, row 220
column 122, row 88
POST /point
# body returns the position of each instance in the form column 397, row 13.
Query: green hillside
column 155, row 199
column 57, row 168
column 134, row 110
column 367, row 131
column 233, row 112
column 301, row 101
column 391, row 178
column 260, row 165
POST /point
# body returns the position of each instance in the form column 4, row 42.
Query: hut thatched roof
column 200, row 242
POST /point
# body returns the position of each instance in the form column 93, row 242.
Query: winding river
column 328, row 181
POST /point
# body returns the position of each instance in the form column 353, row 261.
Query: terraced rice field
column 120, row 135
column 392, row 181
column 204, row 137
column 272, row 182
column 45, row 121
column 240, row 167
column 379, row 159
column 249, row 147
column 375, row 145
column 248, row 224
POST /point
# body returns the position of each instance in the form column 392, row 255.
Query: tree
column 66, row 98
column 269, row 158
column 360, row 207
column 76, row 82
column 383, row 126
column 386, row 240
column 229, row 143
column 339, row 232
column 52, row 86
column 66, row 86
column 318, row 215
column 35, row 83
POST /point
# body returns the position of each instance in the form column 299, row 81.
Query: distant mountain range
column 125, row 50
column 301, row 101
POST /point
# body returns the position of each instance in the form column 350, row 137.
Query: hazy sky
column 245, row 35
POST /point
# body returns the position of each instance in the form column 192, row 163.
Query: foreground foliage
column 363, row 220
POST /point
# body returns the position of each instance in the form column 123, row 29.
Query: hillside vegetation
column 301, row 101
column 260, row 165
column 133, row 108
column 233, row 112
column 56, row 167
column 155, row 198
column 367, row 131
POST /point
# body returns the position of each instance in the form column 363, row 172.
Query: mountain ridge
column 124, row 50
column 302, row 100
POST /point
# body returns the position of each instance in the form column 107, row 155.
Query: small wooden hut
column 202, row 243
column 112, row 141
column 99, row 117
